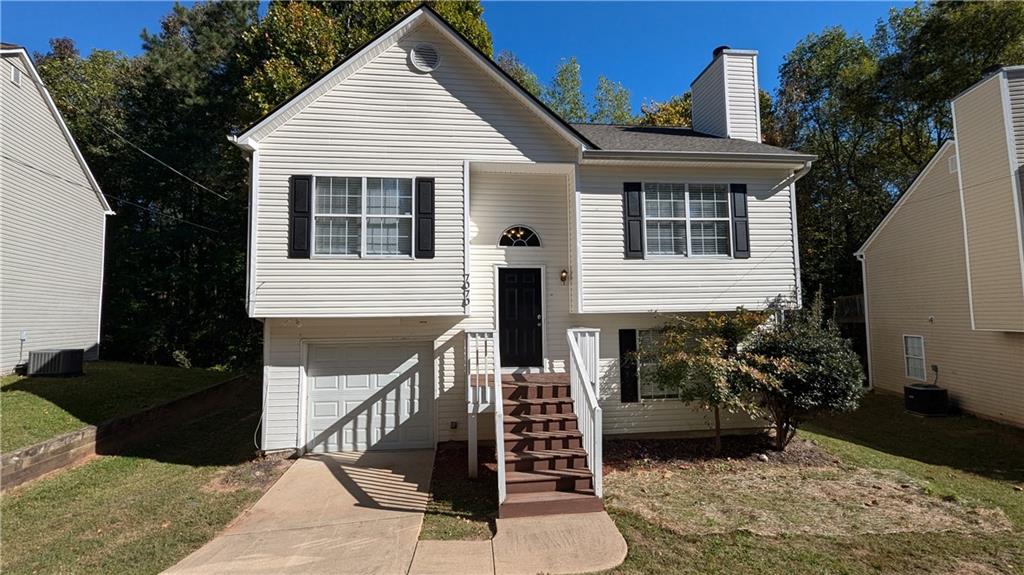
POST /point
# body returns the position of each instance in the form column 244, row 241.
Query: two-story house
column 53, row 219
column 944, row 270
column 421, row 225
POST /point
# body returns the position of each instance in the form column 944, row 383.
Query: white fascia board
column 38, row 81
column 903, row 198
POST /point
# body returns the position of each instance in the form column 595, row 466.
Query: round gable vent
column 425, row 57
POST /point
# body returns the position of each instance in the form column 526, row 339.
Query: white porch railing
column 584, row 378
column 483, row 393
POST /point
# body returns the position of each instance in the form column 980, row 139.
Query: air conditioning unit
column 925, row 399
column 56, row 362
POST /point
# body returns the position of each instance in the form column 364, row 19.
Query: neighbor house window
column 686, row 219
column 647, row 338
column 913, row 356
column 363, row 216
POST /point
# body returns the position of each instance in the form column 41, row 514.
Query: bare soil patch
column 803, row 491
column 258, row 473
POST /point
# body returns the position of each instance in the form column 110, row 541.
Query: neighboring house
column 944, row 271
column 52, row 224
column 414, row 206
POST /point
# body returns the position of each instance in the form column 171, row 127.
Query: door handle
column 538, row 316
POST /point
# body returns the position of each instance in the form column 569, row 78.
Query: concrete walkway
column 553, row 544
column 362, row 513
column 338, row 513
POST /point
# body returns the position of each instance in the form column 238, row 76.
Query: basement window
column 913, row 357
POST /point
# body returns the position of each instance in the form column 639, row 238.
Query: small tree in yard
column 799, row 366
column 698, row 356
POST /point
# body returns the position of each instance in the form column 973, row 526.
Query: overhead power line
column 111, row 131
column 119, row 199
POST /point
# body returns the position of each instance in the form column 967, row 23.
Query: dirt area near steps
column 678, row 486
column 260, row 473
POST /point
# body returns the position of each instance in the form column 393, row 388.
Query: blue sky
column 654, row 48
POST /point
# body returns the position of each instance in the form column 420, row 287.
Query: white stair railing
column 584, row 374
column 483, row 392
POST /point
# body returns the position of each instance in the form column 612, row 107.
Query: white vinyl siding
column 709, row 112
column 387, row 120
column 613, row 284
column 51, row 231
column 913, row 357
column 743, row 104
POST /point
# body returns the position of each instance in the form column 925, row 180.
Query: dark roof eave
column 766, row 158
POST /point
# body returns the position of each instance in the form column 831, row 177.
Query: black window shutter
column 629, row 380
column 424, row 218
column 300, row 200
column 740, row 221
column 633, row 219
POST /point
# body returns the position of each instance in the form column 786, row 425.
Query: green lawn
column 959, row 467
column 143, row 511
column 875, row 491
column 35, row 409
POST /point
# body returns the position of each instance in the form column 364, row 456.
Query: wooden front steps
column 546, row 467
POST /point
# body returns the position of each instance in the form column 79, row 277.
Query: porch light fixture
column 564, row 275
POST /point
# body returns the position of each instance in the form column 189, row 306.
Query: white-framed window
column 362, row 216
column 16, row 75
column 913, row 357
column 686, row 219
column 649, row 389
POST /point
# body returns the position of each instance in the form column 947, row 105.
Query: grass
column 875, row 491
column 140, row 512
column 963, row 461
column 460, row 508
column 36, row 409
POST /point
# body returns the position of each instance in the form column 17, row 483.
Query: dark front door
column 519, row 317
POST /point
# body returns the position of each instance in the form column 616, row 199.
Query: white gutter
column 756, row 157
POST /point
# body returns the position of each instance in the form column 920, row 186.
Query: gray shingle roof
column 6, row 46
column 669, row 139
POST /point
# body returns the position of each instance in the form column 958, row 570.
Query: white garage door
column 370, row 396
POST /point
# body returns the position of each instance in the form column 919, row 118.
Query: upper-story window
column 363, row 216
column 519, row 236
column 686, row 219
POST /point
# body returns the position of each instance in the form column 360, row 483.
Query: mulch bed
column 736, row 450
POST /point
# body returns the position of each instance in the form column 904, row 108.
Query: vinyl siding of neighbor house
column 743, row 106
column 1015, row 89
column 613, row 284
column 916, row 284
column 388, row 120
column 51, row 230
column 709, row 112
column 990, row 211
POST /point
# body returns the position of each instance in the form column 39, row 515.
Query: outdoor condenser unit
column 925, row 399
column 59, row 362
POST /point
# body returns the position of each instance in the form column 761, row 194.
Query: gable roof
column 619, row 138
column 903, row 197
column 13, row 50
column 259, row 129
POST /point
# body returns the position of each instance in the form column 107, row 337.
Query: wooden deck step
column 575, row 480
column 548, row 503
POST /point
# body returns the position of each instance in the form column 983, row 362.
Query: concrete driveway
column 338, row 513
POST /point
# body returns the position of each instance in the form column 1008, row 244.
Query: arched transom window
column 519, row 236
